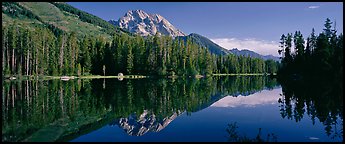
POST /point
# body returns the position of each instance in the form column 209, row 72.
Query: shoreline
column 66, row 78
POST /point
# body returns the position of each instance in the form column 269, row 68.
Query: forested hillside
column 57, row 39
column 58, row 17
column 205, row 42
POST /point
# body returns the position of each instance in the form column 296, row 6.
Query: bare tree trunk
column 47, row 62
column 27, row 62
column 42, row 58
column 73, row 59
column 61, row 52
column 31, row 68
column 27, row 92
column 8, row 55
column 36, row 61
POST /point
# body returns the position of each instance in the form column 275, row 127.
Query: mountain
column 205, row 42
column 147, row 121
column 57, row 16
column 271, row 57
column 139, row 22
column 246, row 52
column 140, row 124
column 144, row 24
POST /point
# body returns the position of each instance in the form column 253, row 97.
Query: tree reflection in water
column 234, row 136
column 319, row 99
column 75, row 106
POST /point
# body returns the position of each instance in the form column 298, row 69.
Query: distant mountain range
column 253, row 54
column 60, row 16
column 144, row 24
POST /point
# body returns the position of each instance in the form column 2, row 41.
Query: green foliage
column 70, row 106
column 39, row 51
column 54, row 48
column 15, row 10
column 86, row 17
column 204, row 42
column 129, row 59
column 321, row 57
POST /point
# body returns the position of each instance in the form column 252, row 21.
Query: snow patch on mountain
column 144, row 24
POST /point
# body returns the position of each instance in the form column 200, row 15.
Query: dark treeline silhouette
column 321, row 57
column 234, row 136
column 65, row 107
column 312, row 77
column 43, row 51
column 324, row 102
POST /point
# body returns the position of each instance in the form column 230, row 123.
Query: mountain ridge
column 144, row 24
column 73, row 19
column 246, row 52
column 205, row 42
column 58, row 17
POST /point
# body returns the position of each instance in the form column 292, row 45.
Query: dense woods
column 318, row 57
column 39, row 51
column 64, row 41
column 312, row 77
column 41, row 48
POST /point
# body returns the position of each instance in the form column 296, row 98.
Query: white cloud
column 259, row 46
column 313, row 7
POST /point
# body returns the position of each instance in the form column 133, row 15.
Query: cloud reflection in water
column 263, row 97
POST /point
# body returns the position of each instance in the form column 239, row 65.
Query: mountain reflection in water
column 79, row 110
column 139, row 125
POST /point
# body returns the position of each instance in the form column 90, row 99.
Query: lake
column 227, row 108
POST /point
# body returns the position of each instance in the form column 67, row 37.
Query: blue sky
column 246, row 25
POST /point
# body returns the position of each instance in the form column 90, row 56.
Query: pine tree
column 73, row 43
column 327, row 30
column 130, row 58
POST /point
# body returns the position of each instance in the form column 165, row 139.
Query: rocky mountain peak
column 144, row 24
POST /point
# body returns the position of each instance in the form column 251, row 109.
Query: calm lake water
column 229, row 108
